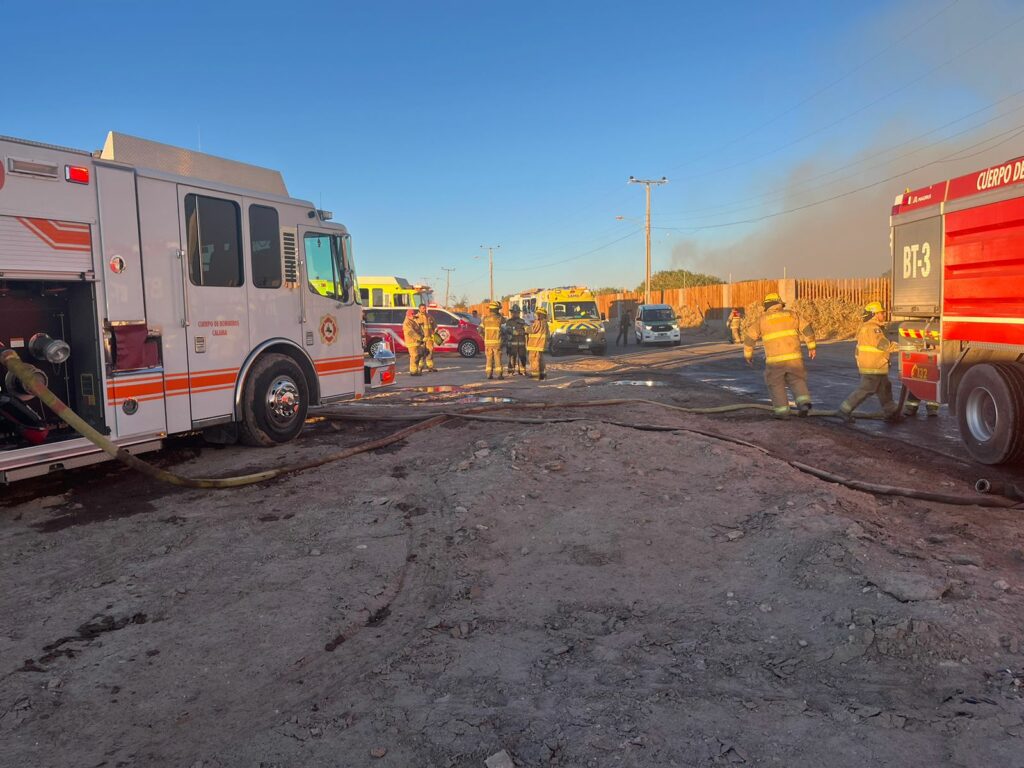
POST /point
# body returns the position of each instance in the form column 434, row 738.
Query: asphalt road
column 831, row 377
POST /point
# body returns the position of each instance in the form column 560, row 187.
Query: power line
column 861, row 160
column 728, row 208
column 577, row 256
column 862, row 108
column 1017, row 131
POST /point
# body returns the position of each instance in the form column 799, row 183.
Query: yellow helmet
column 542, row 312
column 874, row 308
column 772, row 298
column 494, row 306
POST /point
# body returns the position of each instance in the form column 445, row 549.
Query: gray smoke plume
column 849, row 236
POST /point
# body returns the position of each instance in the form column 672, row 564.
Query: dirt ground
column 575, row 594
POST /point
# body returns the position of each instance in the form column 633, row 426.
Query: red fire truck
column 158, row 290
column 958, row 292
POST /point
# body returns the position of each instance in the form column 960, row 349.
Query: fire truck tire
column 468, row 348
column 274, row 401
column 990, row 412
column 375, row 346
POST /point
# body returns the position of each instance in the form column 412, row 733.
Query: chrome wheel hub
column 982, row 415
column 283, row 401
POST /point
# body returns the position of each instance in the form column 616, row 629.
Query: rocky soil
column 574, row 594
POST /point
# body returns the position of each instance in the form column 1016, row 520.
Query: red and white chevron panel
column 44, row 245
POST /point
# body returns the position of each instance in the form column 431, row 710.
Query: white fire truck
column 158, row 290
column 958, row 290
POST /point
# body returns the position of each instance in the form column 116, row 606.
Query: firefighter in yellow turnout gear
column 429, row 326
column 873, row 350
column 537, row 342
column 413, row 333
column 781, row 331
column 491, row 326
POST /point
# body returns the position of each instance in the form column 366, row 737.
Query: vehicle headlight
column 648, row 327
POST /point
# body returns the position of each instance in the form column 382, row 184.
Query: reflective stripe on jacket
column 537, row 339
column 492, row 330
column 781, row 331
column 873, row 348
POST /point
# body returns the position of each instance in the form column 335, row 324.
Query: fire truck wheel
column 274, row 401
column 990, row 412
column 376, row 346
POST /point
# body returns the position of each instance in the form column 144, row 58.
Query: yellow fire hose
column 31, row 384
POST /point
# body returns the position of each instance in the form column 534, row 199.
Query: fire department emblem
column 445, row 334
column 328, row 329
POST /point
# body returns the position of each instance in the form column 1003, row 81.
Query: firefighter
column 873, row 350
column 735, row 325
column 625, row 326
column 537, row 342
column 781, row 330
column 413, row 333
column 515, row 340
column 429, row 326
column 491, row 326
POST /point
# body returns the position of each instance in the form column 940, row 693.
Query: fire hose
column 26, row 376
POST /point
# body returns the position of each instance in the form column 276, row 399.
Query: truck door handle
column 184, row 286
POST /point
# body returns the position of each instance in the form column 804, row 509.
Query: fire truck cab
column 958, row 295
column 159, row 290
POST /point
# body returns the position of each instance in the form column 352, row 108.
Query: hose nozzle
column 42, row 346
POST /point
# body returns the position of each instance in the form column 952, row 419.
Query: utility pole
column 647, row 228
column 447, row 283
column 490, row 262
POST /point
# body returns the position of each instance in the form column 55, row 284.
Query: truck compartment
column 43, row 321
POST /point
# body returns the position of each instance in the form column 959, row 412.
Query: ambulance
column 574, row 320
column 157, row 290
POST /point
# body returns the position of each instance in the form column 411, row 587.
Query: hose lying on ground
column 61, row 409
column 10, row 359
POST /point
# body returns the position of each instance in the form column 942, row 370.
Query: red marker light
column 77, row 174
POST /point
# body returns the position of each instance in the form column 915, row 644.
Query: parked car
column 474, row 319
column 457, row 334
column 656, row 323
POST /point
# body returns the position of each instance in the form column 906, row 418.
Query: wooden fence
column 713, row 302
column 856, row 290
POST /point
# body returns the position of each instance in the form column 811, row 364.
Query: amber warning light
column 76, row 173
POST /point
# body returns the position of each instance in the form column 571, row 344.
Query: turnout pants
column 415, row 359
column 494, row 361
column 537, row 365
column 737, row 336
column 871, row 384
column 516, row 358
column 781, row 375
column 428, row 357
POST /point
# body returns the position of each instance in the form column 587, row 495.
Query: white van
column 656, row 323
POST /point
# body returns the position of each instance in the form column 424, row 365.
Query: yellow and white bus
column 573, row 317
column 393, row 291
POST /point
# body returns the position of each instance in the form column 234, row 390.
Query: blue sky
column 432, row 128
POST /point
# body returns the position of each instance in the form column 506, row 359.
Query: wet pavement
column 832, row 375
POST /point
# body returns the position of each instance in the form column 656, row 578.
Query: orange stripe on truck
column 60, row 235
